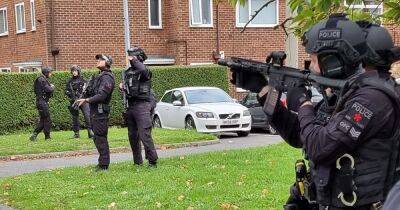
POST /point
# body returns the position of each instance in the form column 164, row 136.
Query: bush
column 17, row 99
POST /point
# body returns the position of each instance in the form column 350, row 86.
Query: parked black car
column 258, row 117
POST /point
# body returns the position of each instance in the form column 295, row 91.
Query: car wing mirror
column 177, row 103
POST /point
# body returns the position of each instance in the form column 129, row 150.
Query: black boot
column 76, row 135
column 90, row 133
column 101, row 168
column 47, row 137
column 33, row 137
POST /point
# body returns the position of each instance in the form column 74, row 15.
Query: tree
column 306, row 13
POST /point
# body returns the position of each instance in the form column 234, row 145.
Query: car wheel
column 189, row 123
column 156, row 122
column 243, row 133
column 272, row 130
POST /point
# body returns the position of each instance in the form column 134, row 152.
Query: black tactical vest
column 136, row 88
column 375, row 160
column 39, row 89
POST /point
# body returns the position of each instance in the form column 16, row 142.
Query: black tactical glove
column 252, row 81
column 296, row 96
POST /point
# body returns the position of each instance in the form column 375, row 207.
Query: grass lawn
column 61, row 141
column 249, row 179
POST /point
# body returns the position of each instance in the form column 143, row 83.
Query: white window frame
column 16, row 18
column 201, row 25
column 363, row 6
column 5, row 21
column 159, row 15
column 251, row 25
column 8, row 69
column 33, row 14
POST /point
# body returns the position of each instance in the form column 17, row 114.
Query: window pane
column 371, row 2
column 206, row 12
column 154, row 12
column 196, row 12
column 22, row 17
column 267, row 15
column 2, row 22
column 19, row 18
column 244, row 13
column 33, row 14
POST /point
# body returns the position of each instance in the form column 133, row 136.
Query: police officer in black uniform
column 43, row 91
column 74, row 90
column 351, row 152
column 99, row 96
column 137, row 87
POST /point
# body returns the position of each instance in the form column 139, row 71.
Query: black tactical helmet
column 339, row 44
column 106, row 58
column 46, row 70
column 138, row 52
column 380, row 44
column 76, row 68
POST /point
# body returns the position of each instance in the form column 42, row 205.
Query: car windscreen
column 207, row 96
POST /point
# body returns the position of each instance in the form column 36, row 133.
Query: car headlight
column 204, row 115
column 246, row 113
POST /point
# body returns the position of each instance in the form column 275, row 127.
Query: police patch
column 329, row 34
column 355, row 120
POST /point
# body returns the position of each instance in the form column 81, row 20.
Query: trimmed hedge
column 18, row 110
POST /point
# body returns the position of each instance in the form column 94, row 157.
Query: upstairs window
column 268, row 17
column 155, row 15
column 20, row 17
column 3, row 22
column 201, row 13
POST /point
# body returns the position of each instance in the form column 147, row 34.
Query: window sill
column 257, row 26
column 156, row 27
column 21, row 32
column 4, row 34
column 202, row 26
column 33, row 30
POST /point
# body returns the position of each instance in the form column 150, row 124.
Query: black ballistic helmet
column 138, row 52
column 380, row 45
column 46, row 71
column 76, row 68
column 340, row 45
column 106, row 58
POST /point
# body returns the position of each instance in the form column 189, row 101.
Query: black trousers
column 138, row 118
column 100, row 130
column 44, row 118
column 75, row 117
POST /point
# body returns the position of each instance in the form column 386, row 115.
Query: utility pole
column 127, row 35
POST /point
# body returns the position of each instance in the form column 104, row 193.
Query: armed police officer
column 137, row 87
column 74, row 90
column 351, row 151
column 44, row 91
column 98, row 96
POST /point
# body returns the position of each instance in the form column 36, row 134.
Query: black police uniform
column 99, row 100
column 363, row 128
column 73, row 90
column 43, row 91
column 138, row 116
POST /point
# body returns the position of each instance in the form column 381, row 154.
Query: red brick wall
column 28, row 46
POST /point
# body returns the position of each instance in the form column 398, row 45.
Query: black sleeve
column 145, row 74
column 46, row 86
column 68, row 91
column 287, row 125
column 361, row 119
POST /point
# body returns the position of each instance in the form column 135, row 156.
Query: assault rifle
column 125, row 101
column 278, row 76
column 86, row 87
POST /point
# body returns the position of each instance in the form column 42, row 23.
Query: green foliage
column 18, row 109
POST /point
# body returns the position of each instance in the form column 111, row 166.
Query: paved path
column 13, row 168
column 227, row 143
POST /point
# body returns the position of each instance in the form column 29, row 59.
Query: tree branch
column 282, row 25
column 255, row 14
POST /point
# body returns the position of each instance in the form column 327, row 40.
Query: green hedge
column 18, row 102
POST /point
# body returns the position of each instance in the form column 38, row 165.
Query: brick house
column 58, row 33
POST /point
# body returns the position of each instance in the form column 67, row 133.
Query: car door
column 256, row 111
column 163, row 108
column 177, row 114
